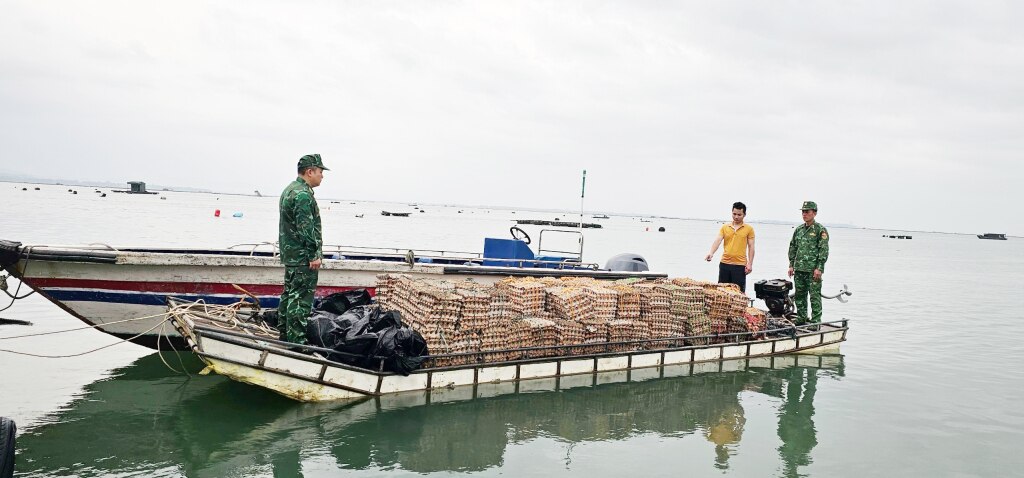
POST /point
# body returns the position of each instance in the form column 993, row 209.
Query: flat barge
column 248, row 354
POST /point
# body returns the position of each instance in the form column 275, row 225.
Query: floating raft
column 541, row 222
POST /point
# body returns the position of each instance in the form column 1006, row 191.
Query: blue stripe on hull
column 149, row 299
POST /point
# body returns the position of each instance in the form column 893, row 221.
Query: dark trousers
column 732, row 274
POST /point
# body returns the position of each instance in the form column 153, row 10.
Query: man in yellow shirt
column 738, row 253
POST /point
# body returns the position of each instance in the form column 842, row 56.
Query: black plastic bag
column 404, row 348
column 341, row 302
column 367, row 337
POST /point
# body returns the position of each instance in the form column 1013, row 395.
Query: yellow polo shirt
column 735, row 243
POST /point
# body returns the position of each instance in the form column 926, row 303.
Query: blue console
column 507, row 252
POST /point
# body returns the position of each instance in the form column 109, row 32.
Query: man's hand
column 708, row 257
column 748, row 269
column 817, row 275
column 315, row 264
column 790, row 272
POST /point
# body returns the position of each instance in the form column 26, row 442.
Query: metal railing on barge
column 544, row 353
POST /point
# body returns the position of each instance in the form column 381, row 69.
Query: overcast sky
column 888, row 114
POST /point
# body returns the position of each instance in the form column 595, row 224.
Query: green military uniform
column 301, row 242
column 808, row 250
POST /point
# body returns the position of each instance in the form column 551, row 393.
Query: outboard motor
column 627, row 263
column 775, row 294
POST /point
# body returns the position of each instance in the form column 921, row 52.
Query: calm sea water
column 929, row 383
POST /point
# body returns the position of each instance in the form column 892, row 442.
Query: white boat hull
column 109, row 288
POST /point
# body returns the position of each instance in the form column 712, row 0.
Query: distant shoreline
column 157, row 188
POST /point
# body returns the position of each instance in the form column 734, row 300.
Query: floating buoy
column 237, row 214
column 661, row 229
column 24, row 189
column 103, row 195
column 163, row 197
column 37, row 189
column 647, row 229
column 216, row 213
column 74, row 192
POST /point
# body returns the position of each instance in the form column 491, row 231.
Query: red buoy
column 216, row 213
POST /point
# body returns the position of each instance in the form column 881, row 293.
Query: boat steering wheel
column 519, row 234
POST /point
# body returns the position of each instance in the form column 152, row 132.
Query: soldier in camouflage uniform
column 808, row 251
column 301, row 244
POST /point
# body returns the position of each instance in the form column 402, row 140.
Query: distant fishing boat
column 992, row 235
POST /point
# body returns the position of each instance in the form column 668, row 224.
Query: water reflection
column 147, row 421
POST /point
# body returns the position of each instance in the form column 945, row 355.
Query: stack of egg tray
column 596, row 335
column 460, row 342
column 435, row 306
column 569, row 303
column 525, row 296
column 654, row 298
column 502, row 335
column 476, row 304
column 728, row 286
column 383, row 290
column 622, row 330
column 438, row 341
column 570, row 332
column 724, row 303
column 686, row 281
column 696, row 310
column 604, row 302
column 630, row 281
column 734, row 325
column 757, row 321
column 543, row 333
column 677, row 298
column 655, row 309
column 498, row 308
column 678, row 308
column 698, row 327
column 627, row 305
column 677, row 329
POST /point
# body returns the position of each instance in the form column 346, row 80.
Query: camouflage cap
column 809, row 205
column 311, row 161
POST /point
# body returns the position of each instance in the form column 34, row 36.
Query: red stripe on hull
column 176, row 287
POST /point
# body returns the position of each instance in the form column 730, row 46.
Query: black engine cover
column 774, row 288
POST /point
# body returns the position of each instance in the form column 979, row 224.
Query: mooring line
column 84, row 328
column 87, row 351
